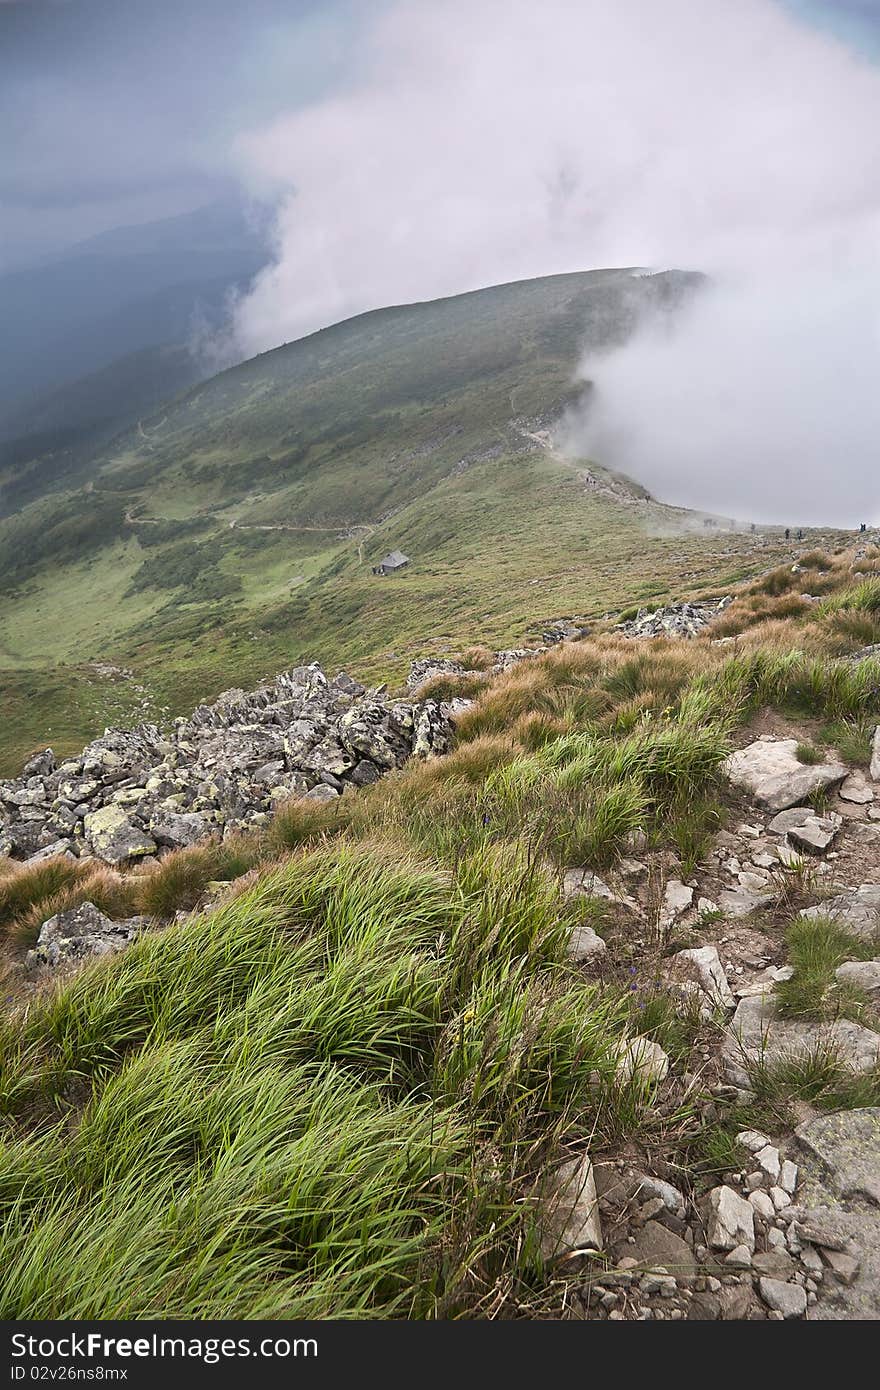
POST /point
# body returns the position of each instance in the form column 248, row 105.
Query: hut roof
column 394, row 560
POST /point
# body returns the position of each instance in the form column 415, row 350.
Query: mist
column 757, row 401
column 482, row 143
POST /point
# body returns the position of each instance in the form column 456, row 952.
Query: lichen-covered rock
column 675, row 620
column 114, row 838
column 82, row 932
column 134, row 792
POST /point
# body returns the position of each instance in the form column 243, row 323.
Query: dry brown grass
column 32, row 893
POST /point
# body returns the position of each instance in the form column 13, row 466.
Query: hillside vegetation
column 423, row 428
column 338, row 1087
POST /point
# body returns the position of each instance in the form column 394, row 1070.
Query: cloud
column 491, row 142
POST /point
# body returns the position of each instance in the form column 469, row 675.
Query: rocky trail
column 794, row 1230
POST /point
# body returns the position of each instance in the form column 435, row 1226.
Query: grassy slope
column 335, row 1092
column 406, row 427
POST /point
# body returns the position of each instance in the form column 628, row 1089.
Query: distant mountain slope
column 67, row 320
column 234, row 529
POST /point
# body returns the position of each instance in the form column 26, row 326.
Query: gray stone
column 114, row 838
column 677, row 898
column 862, row 974
column 769, row 1162
column 875, row 755
column 776, row 1264
column 673, row 1200
column 570, row 1210
column 856, row 790
column 740, row 903
column 788, row 1177
column 752, row 1140
column 769, row 770
column 585, row 944
column 731, row 1220
column 656, row 1247
column 739, row 1258
column 815, row 836
column 703, row 964
column 179, row 830
column 785, row 821
column 57, row 849
column 322, row 792
column 758, row 1037
column 762, row 1203
column 844, row 1266
column 788, row 1299
column 674, row 620
column 82, row 932
column 583, row 883
column 641, row 1061
column 847, row 1144
column 857, row 909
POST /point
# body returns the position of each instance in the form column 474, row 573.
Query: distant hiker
column 753, row 528
column 863, row 528
column 787, row 533
column 800, row 534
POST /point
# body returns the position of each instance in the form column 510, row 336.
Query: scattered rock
column 570, row 1218
column 858, row 909
column 855, row 788
column 757, row 1036
column 82, row 932
column 675, row 620
column 731, row 1220
column 132, row 792
column 788, row 1299
column 769, row 770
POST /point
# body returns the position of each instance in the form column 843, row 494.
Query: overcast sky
column 417, row 148
column 123, row 111
column 118, row 111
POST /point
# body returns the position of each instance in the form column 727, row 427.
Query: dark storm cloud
column 116, row 106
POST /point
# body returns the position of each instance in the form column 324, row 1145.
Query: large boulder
column 114, row 838
column 179, row 830
column 769, row 771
